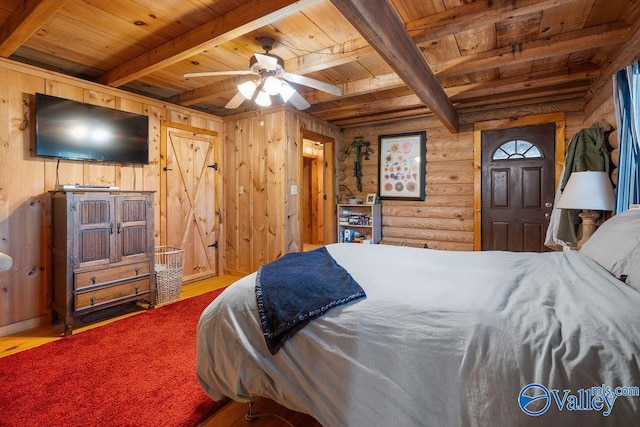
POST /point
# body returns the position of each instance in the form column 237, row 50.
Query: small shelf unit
column 359, row 223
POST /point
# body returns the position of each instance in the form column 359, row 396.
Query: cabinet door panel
column 133, row 232
column 94, row 219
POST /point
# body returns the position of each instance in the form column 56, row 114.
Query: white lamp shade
column 263, row 99
column 247, row 89
column 589, row 190
column 272, row 85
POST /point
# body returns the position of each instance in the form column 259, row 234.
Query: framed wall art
column 401, row 166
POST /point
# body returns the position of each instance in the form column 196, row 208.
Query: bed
column 449, row 339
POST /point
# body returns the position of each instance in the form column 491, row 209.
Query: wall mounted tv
column 73, row 130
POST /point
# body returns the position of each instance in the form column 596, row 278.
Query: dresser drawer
column 104, row 295
column 110, row 274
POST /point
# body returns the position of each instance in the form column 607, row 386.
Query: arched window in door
column 517, row 149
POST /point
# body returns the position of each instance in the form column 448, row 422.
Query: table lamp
column 590, row 192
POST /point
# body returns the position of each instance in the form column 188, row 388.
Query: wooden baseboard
column 24, row 325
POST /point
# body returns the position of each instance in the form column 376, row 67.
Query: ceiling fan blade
column 313, row 83
column 219, row 73
column 298, row 101
column 235, row 102
column 267, row 62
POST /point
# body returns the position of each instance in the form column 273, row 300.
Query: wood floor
column 232, row 415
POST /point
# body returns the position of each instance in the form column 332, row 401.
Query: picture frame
column 402, row 165
column 371, row 199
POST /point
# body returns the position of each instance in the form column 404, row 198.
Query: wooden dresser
column 102, row 251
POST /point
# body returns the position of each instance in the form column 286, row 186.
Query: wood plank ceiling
column 392, row 58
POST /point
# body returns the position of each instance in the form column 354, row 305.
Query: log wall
column 445, row 220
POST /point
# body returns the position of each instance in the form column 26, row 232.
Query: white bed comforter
column 442, row 339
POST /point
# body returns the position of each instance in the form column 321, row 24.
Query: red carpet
column 138, row 371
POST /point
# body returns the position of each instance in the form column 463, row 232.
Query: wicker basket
column 169, row 266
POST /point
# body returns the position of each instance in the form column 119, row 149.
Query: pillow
column 615, row 245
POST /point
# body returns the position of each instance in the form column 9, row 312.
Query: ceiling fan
column 272, row 80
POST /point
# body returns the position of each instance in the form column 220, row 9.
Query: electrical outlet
column 294, row 190
column 241, row 190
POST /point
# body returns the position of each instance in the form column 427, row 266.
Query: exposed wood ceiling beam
column 471, row 15
column 479, row 13
column 602, row 88
column 575, row 89
column 359, row 87
column 392, row 81
column 371, row 107
column 517, row 83
column 561, row 44
column 385, row 32
column 223, row 88
column 248, row 17
column 25, row 20
column 515, row 89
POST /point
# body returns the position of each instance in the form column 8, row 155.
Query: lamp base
column 589, row 219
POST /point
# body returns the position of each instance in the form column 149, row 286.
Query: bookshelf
column 358, row 223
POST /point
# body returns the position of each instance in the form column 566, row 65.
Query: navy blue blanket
column 297, row 288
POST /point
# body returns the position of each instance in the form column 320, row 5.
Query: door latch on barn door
column 214, row 166
column 214, row 245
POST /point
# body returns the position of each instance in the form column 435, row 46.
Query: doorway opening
column 312, row 194
column 317, row 193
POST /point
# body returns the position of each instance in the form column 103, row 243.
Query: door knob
column 548, row 204
column 547, row 215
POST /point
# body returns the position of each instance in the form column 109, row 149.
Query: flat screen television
column 73, row 130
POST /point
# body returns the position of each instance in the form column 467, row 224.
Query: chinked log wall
column 445, row 219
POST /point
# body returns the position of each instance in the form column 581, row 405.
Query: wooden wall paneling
column 244, row 164
column 261, row 208
column 176, row 115
column 130, row 176
column 279, row 196
column 6, row 277
column 24, row 179
column 229, row 244
column 330, row 200
column 152, row 174
column 25, row 289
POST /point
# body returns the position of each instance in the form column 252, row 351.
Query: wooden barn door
column 518, row 186
column 189, row 211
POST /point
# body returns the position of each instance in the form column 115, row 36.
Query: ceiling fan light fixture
column 247, row 89
column 286, row 91
column 272, row 85
column 263, row 99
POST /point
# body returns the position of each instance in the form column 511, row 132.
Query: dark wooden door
column 518, row 186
